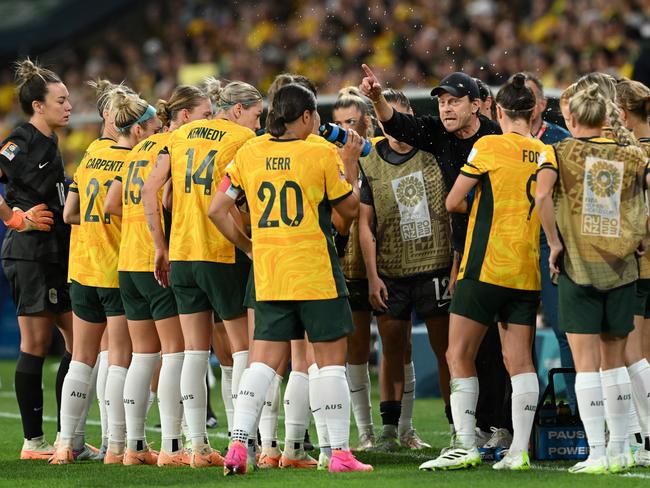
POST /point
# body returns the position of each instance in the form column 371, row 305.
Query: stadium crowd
column 188, row 227
column 411, row 44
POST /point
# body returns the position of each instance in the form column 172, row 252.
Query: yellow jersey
column 502, row 244
column 99, row 143
column 98, row 244
column 200, row 152
column 290, row 187
column 137, row 250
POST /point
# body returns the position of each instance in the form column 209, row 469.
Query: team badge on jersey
column 411, row 197
column 10, row 150
column 601, row 206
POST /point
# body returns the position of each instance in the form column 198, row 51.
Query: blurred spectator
column 410, row 43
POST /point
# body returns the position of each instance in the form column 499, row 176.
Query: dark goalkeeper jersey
column 32, row 171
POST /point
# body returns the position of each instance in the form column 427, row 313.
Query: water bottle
column 339, row 136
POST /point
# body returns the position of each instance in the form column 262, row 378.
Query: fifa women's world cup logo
column 601, row 205
column 411, row 196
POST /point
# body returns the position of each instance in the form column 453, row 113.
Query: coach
column 450, row 137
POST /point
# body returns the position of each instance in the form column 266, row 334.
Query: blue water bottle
column 339, row 136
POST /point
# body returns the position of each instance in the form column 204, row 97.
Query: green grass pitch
column 400, row 469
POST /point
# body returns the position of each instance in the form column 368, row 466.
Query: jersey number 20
column 267, row 193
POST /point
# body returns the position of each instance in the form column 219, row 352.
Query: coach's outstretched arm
column 417, row 131
column 371, row 88
column 156, row 180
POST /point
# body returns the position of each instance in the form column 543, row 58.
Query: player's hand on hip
column 36, row 218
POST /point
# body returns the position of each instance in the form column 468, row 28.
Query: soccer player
column 35, row 263
column 634, row 101
column 151, row 310
column 449, row 137
column 207, row 273
column 352, row 111
column 103, row 89
column 96, row 300
column 601, row 219
column 499, row 275
column 291, row 186
column 403, row 227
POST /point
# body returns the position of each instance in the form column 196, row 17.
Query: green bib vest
column 412, row 225
column 600, row 210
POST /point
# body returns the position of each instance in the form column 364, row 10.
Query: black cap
column 458, row 85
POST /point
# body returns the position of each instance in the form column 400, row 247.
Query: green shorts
column 249, row 298
column 642, row 308
column 144, row 298
column 323, row 320
column 585, row 310
column 486, row 303
column 200, row 286
column 94, row 304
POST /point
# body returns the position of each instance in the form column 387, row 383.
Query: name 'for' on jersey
column 502, row 245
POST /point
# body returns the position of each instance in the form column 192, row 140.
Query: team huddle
column 183, row 231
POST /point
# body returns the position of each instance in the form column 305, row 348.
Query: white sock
column 239, row 365
column 170, row 401
column 640, row 379
column 195, row 396
column 136, row 397
column 270, row 413
column 633, row 425
column 74, row 395
column 250, row 397
column 618, row 390
column 226, row 393
column 358, row 379
column 80, row 429
column 408, row 399
column 464, row 395
column 150, row 401
column 296, row 411
column 336, row 403
column 317, row 410
column 525, row 393
column 589, row 395
column 102, row 374
column 115, row 405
